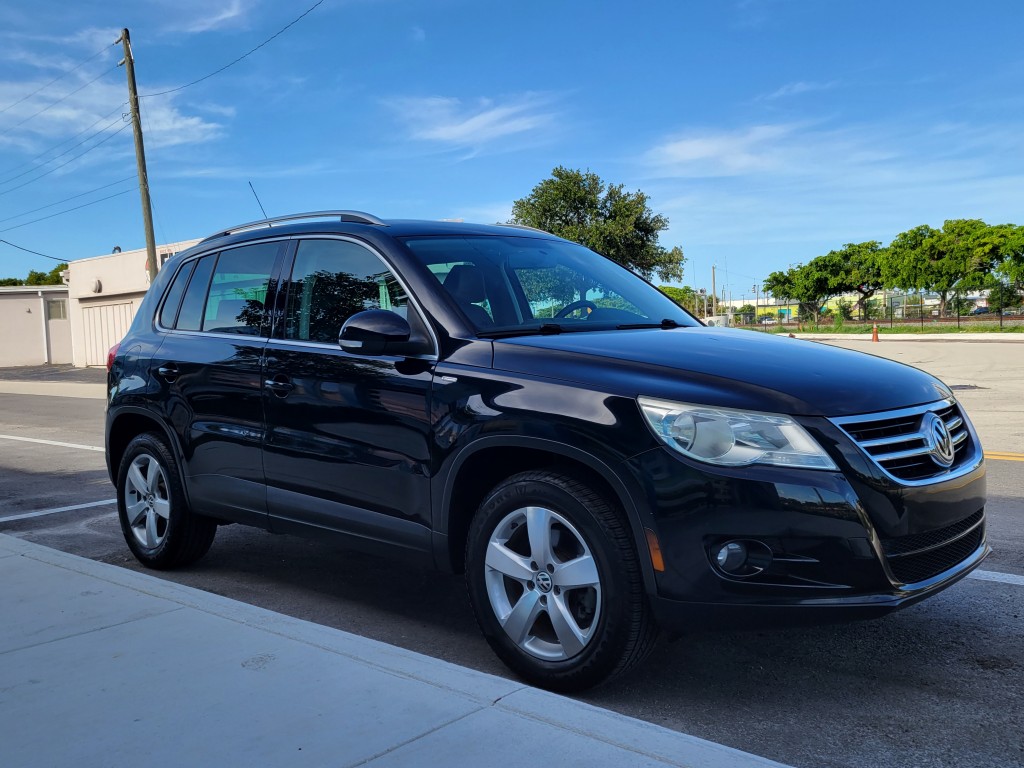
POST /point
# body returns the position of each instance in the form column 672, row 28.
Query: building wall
column 27, row 337
column 105, row 294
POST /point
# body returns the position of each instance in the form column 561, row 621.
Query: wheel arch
column 128, row 424
column 486, row 462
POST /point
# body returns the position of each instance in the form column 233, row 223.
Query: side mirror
column 370, row 332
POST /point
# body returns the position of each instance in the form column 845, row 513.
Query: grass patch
column 1009, row 326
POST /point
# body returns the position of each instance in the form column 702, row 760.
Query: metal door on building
column 105, row 326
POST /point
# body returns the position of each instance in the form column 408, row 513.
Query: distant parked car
column 766, row 320
column 980, row 311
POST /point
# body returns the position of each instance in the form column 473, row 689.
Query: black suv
column 499, row 401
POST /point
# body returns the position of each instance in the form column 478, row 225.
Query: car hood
column 726, row 367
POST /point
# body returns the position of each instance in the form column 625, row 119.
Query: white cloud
column 456, row 123
column 795, row 89
column 759, row 148
column 94, row 109
column 197, row 16
column 769, row 195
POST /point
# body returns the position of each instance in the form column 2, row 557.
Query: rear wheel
column 555, row 582
column 160, row 529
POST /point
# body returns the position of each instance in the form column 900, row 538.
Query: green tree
column 579, row 206
column 960, row 306
column 1002, row 296
column 944, row 260
column 685, row 297
column 859, row 270
column 1011, row 253
column 808, row 284
column 38, row 278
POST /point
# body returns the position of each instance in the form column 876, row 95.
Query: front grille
column 902, row 442
column 920, row 556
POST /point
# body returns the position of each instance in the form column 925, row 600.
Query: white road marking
column 42, row 512
column 1002, row 578
column 50, row 442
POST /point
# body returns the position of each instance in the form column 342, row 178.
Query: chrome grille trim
column 903, row 432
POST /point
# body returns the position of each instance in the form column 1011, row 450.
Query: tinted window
column 513, row 283
column 190, row 318
column 331, row 281
column 169, row 313
column 238, row 292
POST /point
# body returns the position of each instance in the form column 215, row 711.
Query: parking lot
column 939, row 684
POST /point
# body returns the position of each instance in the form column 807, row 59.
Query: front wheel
column 160, row 529
column 555, row 582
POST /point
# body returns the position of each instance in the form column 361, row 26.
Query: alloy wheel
column 146, row 501
column 543, row 583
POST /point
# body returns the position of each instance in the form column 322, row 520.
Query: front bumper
column 843, row 545
column 776, row 611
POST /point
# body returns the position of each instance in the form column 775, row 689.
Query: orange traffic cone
column 874, row 332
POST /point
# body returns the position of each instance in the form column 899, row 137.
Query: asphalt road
column 938, row 684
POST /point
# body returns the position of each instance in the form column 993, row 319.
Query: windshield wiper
column 666, row 323
column 546, row 329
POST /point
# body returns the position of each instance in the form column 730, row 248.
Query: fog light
column 732, row 557
column 742, row 558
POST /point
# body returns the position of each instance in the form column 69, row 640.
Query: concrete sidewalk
column 100, row 666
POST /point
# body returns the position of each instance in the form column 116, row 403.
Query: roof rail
column 357, row 217
column 522, row 226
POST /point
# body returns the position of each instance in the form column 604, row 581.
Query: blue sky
column 768, row 131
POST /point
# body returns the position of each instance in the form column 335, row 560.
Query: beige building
column 34, row 325
column 105, row 293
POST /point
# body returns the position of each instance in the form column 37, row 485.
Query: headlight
column 732, row 438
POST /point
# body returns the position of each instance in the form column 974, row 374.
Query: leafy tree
column 1001, row 296
column 38, row 278
column 579, row 206
column 959, row 255
column 960, row 306
column 1011, row 252
column 809, row 284
column 859, row 268
column 844, row 310
column 685, row 297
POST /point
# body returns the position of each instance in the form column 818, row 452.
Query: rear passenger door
column 216, row 326
column 347, row 442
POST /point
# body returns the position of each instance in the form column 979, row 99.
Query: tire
column 160, row 529
column 555, row 582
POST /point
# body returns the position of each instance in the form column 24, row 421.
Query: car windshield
column 519, row 285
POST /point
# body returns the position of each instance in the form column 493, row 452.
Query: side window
column 169, row 312
column 190, row 317
column 238, row 291
column 331, row 281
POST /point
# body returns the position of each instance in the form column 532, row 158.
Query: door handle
column 169, row 371
column 279, row 385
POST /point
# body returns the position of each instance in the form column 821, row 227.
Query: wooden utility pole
column 140, row 153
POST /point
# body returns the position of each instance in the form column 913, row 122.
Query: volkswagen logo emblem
column 543, row 581
column 939, row 440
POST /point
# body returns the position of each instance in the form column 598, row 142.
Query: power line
column 61, row 76
column 29, row 250
column 68, row 199
column 58, row 167
column 75, row 146
column 31, row 160
column 68, row 210
column 58, row 101
column 243, row 56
